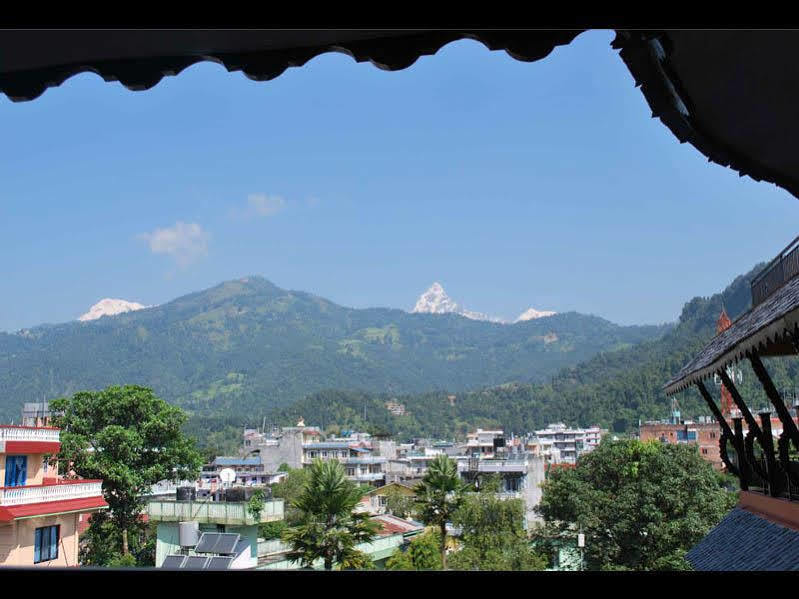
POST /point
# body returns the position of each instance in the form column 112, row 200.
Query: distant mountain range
column 614, row 389
column 110, row 307
column 436, row 301
column 246, row 345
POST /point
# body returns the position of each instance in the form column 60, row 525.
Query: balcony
column 367, row 476
column 490, row 465
column 370, row 460
column 60, row 491
column 212, row 512
column 29, row 439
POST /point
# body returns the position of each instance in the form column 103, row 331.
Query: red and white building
column 40, row 512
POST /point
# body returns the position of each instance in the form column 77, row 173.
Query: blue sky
column 514, row 184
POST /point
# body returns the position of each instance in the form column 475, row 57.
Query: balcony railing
column 494, row 466
column 368, row 476
column 781, row 270
column 61, row 491
column 29, row 433
column 212, row 512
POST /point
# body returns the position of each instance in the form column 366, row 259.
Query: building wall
column 17, row 541
column 707, row 437
column 534, row 476
column 288, row 451
column 36, row 472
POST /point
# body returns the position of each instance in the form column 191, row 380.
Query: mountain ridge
column 246, row 343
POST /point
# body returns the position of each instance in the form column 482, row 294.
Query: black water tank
column 186, row 494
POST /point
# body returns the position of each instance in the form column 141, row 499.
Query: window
column 45, row 545
column 16, row 470
column 704, row 451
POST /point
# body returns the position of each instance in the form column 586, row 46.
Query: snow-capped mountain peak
column 532, row 313
column 110, row 307
column 436, row 301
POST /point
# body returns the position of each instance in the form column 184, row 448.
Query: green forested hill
column 614, row 389
column 246, row 346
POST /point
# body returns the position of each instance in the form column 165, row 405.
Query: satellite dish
column 227, row 475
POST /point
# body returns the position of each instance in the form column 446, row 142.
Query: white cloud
column 185, row 242
column 265, row 205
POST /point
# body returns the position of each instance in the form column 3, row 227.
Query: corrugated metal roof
column 746, row 541
column 227, row 461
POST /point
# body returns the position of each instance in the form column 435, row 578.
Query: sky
column 513, row 184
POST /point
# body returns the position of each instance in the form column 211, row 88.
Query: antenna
column 227, row 476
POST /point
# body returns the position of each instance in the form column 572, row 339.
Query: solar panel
column 217, row 542
column 219, row 562
column 195, row 562
column 173, row 562
column 241, row 547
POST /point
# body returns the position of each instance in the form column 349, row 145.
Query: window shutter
column 53, row 542
column 37, row 546
column 10, row 463
column 23, row 470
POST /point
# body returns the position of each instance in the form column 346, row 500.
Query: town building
column 40, row 511
column 559, row 444
column 183, row 513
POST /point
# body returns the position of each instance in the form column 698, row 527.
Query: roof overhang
column 765, row 329
column 51, row 508
column 32, row 61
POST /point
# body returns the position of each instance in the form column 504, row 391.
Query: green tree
column 289, row 490
column 641, row 505
column 439, row 496
column 129, row 438
column 328, row 528
column 493, row 535
column 399, row 504
column 422, row 554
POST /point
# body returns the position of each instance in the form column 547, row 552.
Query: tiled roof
column 746, row 541
column 765, row 323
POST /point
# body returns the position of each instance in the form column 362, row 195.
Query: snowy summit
column 436, row 301
column 110, row 307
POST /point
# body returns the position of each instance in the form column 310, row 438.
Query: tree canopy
column 641, row 505
column 130, row 439
column 328, row 528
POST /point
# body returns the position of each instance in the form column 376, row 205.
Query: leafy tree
column 641, row 505
column 272, row 530
column 328, row 528
column 399, row 504
column 289, row 490
column 439, row 496
column 356, row 560
column 130, row 439
column 422, row 554
column 493, row 535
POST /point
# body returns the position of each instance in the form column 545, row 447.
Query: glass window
column 45, row 545
column 16, row 470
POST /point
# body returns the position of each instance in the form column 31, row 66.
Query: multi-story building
column 484, row 442
column 570, row 443
column 249, row 472
column 521, row 477
column 361, row 466
column 40, row 512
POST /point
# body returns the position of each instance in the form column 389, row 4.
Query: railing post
column 776, row 485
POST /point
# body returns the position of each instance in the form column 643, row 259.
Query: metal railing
column 28, row 433
column 779, row 271
column 220, row 512
column 61, row 491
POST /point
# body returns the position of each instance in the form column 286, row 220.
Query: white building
column 560, row 444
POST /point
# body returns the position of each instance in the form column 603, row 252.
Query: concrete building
column 231, row 517
column 40, row 512
column 570, row 443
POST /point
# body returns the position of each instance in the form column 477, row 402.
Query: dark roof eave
column 755, row 330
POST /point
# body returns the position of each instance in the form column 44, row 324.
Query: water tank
column 189, row 533
column 186, row 494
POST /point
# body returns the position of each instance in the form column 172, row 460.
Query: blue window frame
column 16, row 470
column 45, row 543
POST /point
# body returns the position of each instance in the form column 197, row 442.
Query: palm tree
column 439, row 496
column 328, row 528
